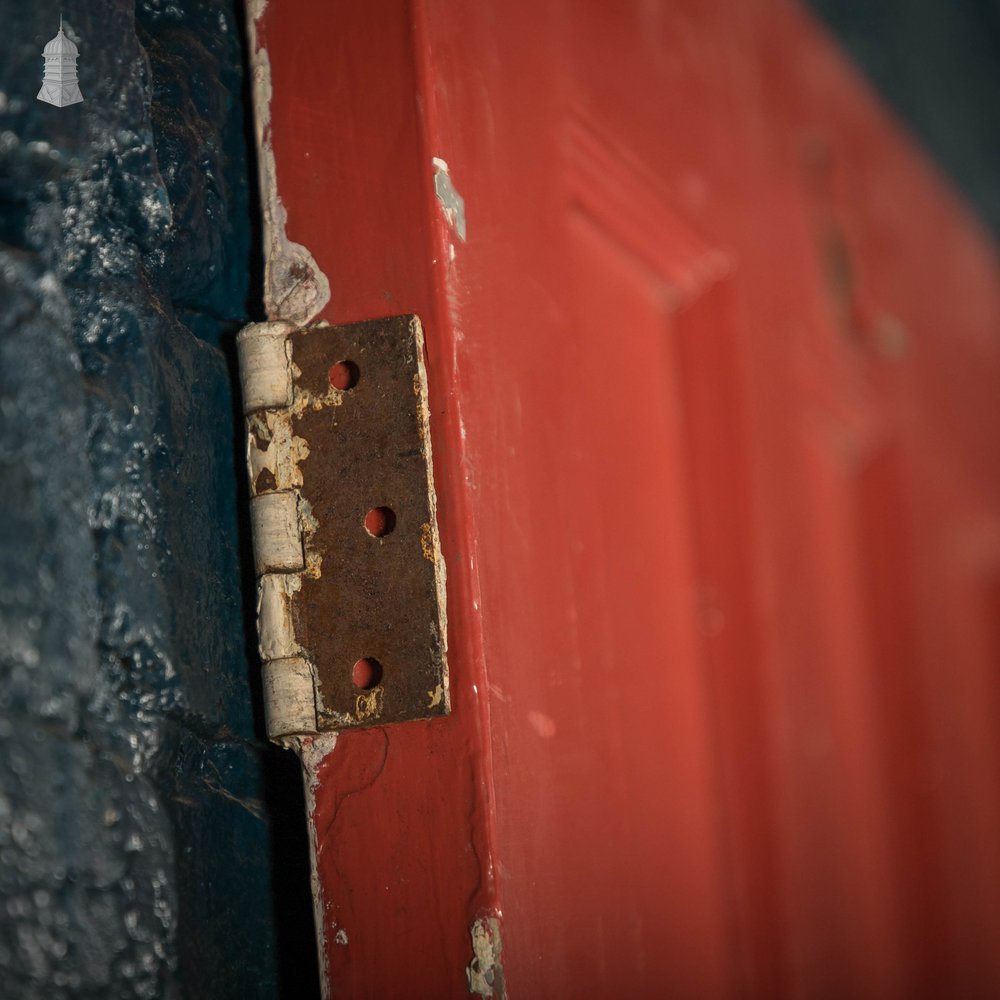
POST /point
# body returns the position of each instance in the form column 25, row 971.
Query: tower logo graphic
column 59, row 85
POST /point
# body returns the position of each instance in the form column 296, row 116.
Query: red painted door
column 713, row 365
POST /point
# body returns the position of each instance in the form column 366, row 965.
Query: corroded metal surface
column 352, row 579
column 372, row 597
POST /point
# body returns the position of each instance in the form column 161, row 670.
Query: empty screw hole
column 367, row 673
column 379, row 521
column 344, row 375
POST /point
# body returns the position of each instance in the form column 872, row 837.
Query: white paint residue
column 277, row 541
column 452, row 203
column 295, row 289
column 263, row 350
column 273, row 446
column 289, row 698
column 543, row 724
column 341, row 936
column 484, row 972
column 275, row 631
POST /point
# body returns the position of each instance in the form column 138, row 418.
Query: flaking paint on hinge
column 274, row 451
column 275, row 630
column 288, row 404
column 295, row 289
column 485, row 971
column 283, row 528
column 308, row 525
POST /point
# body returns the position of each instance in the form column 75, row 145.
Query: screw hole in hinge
column 380, row 521
column 367, row 673
column 344, row 375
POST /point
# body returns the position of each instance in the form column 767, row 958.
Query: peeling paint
column 289, row 698
column 274, row 451
column 295, row 289
column 427, row 542
column 303, row 399
column 282, row 526
column 484, row 972
column 334, row 721
column 452, row 203
column 289, row 540
column 431, row 539
column 276, row 634
column 264, row 353
column 277, row 540
column 369, row 704
column 308, row 525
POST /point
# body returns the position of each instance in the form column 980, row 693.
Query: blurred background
column 935, row 65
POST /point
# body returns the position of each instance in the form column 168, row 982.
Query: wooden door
column 713, row 364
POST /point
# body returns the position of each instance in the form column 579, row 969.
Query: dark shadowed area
column 138, row 839
column 937, row 64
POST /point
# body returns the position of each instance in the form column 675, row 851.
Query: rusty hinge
column 351, row 582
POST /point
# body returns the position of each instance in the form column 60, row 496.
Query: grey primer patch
column 452, row 203
column 484, row 972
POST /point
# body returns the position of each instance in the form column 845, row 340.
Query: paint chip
column 543, row 724
column 452, row 203
column 484, row 972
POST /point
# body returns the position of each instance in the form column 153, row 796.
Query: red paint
column 713, row 383
column 344, row 375
column 379, row 521
column 366, row 673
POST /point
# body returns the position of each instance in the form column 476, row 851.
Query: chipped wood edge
column 295, row 289
column 430, row 535
column 313, row 752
